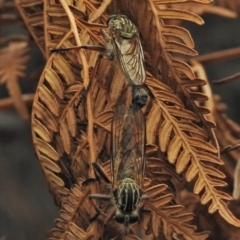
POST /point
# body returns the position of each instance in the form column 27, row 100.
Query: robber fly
column 127, row 166
column 123, row 44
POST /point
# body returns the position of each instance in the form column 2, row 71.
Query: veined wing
column 128, row 145
column 129, row 54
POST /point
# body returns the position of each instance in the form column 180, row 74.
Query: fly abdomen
column 128, row 195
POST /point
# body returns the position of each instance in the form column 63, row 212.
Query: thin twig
column 230, row 148
column 222, row 55
column 229, row 79
column 8, row 103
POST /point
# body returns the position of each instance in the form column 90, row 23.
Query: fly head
column 122, row 26
column 140, row 96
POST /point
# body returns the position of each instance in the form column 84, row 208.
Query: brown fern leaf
column 100, row 10
column 186, row 145
column 61, row 134
column 171, row 41
column 168, row 220
column 47, row 109
column 13, row 61
column 200, row 9
column 32, row 15
column 72, row 224
column 57, row 23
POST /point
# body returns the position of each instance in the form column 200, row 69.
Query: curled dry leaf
column 13, row 61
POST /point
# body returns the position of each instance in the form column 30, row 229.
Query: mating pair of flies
column 128, row 124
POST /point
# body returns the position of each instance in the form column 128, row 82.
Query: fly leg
column 99, row 49
column 144, row 199
column 102, row 197
column 99, row 172
column 108, row 218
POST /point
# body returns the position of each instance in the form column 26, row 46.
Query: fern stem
column 89, row 99
column 8, row 103
column 78, row 42
column 99, row 11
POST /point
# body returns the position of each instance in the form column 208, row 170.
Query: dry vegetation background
column 27, row 210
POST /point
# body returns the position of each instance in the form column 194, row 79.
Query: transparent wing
column 129, row 55
column 128, row 145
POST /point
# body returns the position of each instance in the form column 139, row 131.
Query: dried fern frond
column 71, row 224
column 13, row 61
column 59, row 128
column 56, row 23
column 32, row 15
column 171, row 41
column 200, row 9
column 185, row 144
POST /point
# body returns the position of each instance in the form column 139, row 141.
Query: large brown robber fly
column 127, row 166
column 124, row 45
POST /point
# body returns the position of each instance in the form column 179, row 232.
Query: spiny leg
column 102, row 197
column 144, row 199
column 96, row 209
column 100, row 49
column 109, row 217
column 99, row 172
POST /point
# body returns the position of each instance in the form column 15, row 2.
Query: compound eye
column 120, row 218
column 133, row 218
column 115, row 17
column 110, row 18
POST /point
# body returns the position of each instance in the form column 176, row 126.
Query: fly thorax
column 127, row 195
